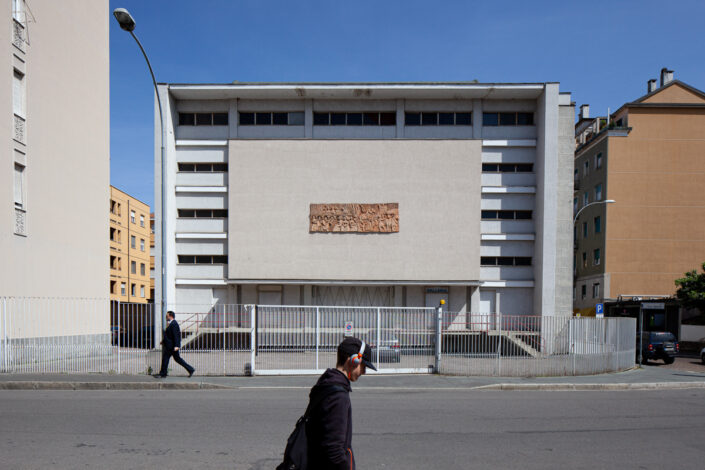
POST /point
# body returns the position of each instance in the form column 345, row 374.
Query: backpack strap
column 320, row 394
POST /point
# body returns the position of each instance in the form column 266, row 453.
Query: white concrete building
column 481, row 173
column 55, row 172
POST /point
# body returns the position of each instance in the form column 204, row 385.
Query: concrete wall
column 65, row 253
column 436, row 184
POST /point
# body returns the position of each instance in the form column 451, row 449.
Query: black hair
column 170, row 313
column 342, row 357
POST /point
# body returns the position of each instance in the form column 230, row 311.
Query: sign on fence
column 348, row 328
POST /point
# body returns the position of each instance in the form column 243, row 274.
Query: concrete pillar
column 401, row 106
column 477, row 119
column 308, row 119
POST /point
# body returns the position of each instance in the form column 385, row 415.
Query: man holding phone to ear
column 329, row 429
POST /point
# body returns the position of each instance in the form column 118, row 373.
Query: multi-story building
column 151, row 256
column 368, row 194
column 647, row 157
column 129, row 248
column 55, row 171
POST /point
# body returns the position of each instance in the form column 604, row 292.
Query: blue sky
column 603, row 52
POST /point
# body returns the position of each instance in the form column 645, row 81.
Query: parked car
column 658, row 345
column 389, row 348
column 702, row 355
column 116, row 334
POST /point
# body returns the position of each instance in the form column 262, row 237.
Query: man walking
column 329, row 429
column 171, row 343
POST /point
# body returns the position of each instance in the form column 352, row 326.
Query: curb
column 39, row 385
column 592, row 387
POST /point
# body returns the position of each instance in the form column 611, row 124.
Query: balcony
column 20, row 222
column 19, row 129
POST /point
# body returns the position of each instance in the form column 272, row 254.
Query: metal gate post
column 318, row 333
column 439, row 318
column 378, row 340
column 572, row 341
column 119, row 334
column 253, row 338
column 499, row 344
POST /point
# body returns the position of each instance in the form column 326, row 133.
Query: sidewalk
column 648, row 377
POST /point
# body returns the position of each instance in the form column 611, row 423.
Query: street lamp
column 127, row 23
column 575, row 219
column 606, row 201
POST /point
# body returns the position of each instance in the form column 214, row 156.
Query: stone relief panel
column 354, row 218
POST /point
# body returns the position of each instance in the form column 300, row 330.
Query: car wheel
column 668, row 360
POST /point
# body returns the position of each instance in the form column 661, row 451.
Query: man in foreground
column 171, row 343
column 329, row 429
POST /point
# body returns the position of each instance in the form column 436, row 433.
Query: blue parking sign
column 599, row 310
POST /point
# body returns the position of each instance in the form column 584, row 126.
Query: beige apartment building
column 55, row 171
column 129, row 248
column 650, row 159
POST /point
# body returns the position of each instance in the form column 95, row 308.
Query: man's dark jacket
column 329, row 429
column 172, row 336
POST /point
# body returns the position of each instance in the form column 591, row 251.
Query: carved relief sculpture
column 354, row 218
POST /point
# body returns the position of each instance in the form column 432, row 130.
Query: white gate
column 304, row 340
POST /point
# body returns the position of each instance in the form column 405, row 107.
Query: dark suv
column 657, row 345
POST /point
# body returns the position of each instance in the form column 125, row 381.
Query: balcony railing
column 18, row 35
column 19, row 129
column 20, row 221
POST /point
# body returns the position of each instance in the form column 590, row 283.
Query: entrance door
column 488, row 308
column 434, row 295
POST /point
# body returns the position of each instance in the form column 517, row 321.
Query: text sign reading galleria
column 354, row 218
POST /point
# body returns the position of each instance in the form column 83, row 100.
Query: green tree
column 691, row 289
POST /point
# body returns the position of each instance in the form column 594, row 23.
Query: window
column 507, row 167
column 596, row 290
column 133, row 267
column 141, row 220
column 203, row 259
column 133, row 290
column 19, row 187
column 203, row 119
column 507, row 119
column 505, row 261
column 113, row 207
column 113, row 285
column 596, row 257
column 123, row 286
column 113, row 262
column 355, row 119
column 202, row 167
column 295, row 118
column 142, row 291
column 598, row 161
column 18, row 94
column 132, row 216
column 586, row 198
column 202, row 213
column 585, row 229
column 598, row 192
column 505, row 215
column 18, row 11
column 575, row 204
column 584, row 259
column 437, row 119
column 143, row 269
column 586, row 168
column 598, row 224
column 119, row 209
column 133, row 241
column 141, row 244
column 583, row 291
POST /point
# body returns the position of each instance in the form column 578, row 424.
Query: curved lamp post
column 606, row 201
column 127, row 23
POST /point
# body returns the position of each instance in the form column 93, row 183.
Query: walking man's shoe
column 191, row 373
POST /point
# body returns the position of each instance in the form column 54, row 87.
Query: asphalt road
column 394, row 428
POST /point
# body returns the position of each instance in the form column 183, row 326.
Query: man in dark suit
column 171, row 343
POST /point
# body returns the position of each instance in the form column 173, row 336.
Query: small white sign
column 348, row 328
column 653, row 306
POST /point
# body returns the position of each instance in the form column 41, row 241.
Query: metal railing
column 44, row 335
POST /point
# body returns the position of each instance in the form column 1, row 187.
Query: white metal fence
column 93, row 335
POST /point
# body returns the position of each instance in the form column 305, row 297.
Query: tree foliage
column 691, row 289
